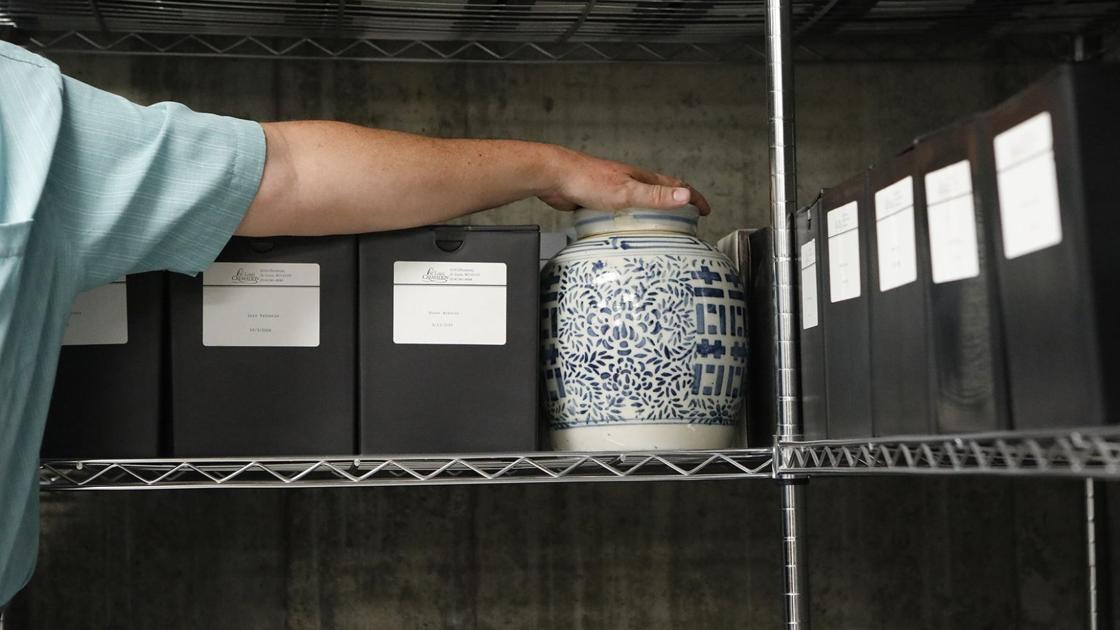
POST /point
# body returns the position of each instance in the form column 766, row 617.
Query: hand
column 583, row 181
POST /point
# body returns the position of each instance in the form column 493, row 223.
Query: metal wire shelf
column 1084, row 453
column 556, row 20
column 367, row 49
column 276, row 472
column 517, row 31
column 413, row 51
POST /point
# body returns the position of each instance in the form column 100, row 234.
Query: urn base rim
column 639, row 437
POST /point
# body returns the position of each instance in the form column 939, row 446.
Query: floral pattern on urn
column 644, row 332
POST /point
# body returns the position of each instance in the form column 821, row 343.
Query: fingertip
column 698, row 200
column 682, row 195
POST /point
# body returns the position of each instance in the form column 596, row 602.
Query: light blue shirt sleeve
column 92, row 187
column 136, row 188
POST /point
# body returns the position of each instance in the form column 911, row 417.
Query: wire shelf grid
column 550, row 20
column 264, row 47
column 1084, row 453
column 510, row 31
column 276, row 472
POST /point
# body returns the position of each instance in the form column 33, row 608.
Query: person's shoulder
column 31, row 115
column 10, row 53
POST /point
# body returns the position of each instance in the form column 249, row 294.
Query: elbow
column 272, row 208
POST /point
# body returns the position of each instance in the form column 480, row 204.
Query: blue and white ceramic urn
column 644, row 331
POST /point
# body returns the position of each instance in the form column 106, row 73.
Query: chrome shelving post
column 783, row 200
column 1091, row 551
column 1093, row 501
column 783, row 195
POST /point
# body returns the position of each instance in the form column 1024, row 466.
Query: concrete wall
column 897, row 553
column 706, row 124
column 888, row 553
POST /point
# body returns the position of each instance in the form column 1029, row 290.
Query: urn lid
column 591, row 222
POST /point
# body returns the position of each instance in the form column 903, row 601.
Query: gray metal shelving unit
column 775, row 32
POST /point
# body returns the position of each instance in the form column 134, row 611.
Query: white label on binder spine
column 843, row 252
column 953, row 251
column 460, row 303
column 809, row 285
column 894, row 235
column 99, row 317
column 1027, row 178
column 261, row 305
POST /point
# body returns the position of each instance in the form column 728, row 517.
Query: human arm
column 333, row 178
column 137, row 188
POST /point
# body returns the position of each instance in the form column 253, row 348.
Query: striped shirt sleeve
column 137, row 188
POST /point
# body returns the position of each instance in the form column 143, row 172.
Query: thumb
column 658, row 197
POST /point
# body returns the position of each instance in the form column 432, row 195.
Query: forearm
column 332, row 178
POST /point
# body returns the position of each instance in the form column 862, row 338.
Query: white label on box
column 809, row 305
column 842, row 219
column 1028, row 139
column 261, row 305
column 953, row 251
column 809, row 253
column 1027, row 178
column 843, row 252
column 99, row 317
column 894, row 234
column 460, row 303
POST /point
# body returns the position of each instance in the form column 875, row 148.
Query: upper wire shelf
column 556, row 30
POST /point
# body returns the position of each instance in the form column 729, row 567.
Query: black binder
column 814, row 410
column 293, row 392
column 762, row 355
column 430, row 393
column 108, row 397
column 1054, row 150
column 968, row 387
column 897, row 300
column 844, row 239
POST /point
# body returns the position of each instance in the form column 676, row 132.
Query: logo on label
column 431, row 275
column 244, row 277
